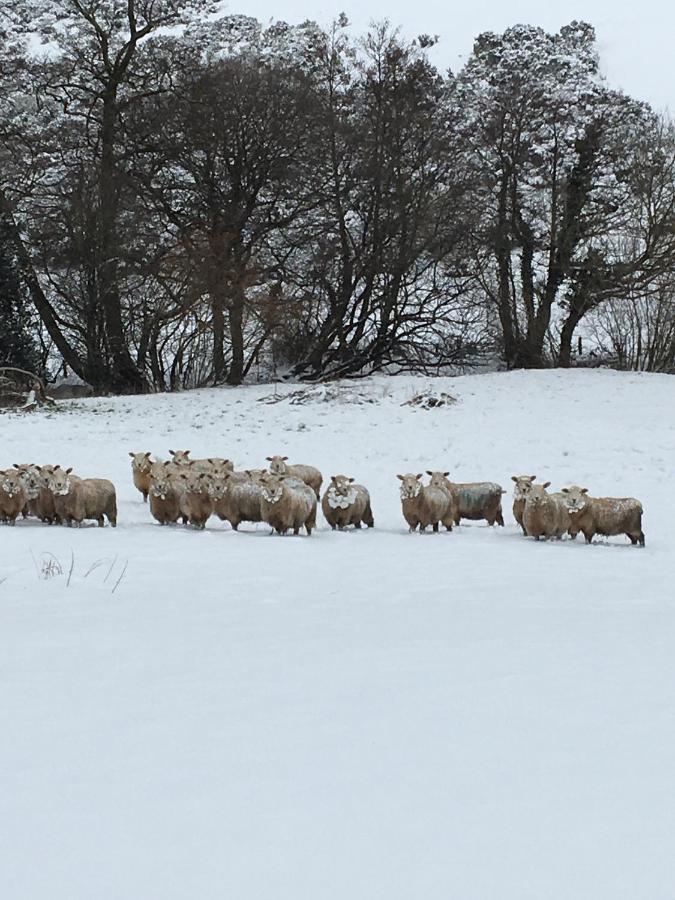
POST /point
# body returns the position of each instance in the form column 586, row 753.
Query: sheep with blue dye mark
column 472, row 500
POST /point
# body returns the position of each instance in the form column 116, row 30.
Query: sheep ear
column 16, row 465
column 445, row 474
column 211, row 461
column 68, row 471
column 284, row 458
column 514, row 478
column 546, row 484
column 269, row 458
column 131, row 454
column 148, row 454
column 565, row 490
column 532, row 477
column 419, row 475
column 350, row 480
column 429, row 472
column 183, row 476
column 172, row 452
column 584, row 490
column 401, row 477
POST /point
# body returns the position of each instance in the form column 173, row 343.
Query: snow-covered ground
column 351, row 716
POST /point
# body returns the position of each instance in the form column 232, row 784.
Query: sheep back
column 88, row 498
column 609, row 516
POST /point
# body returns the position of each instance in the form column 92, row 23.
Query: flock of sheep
column 286, row 497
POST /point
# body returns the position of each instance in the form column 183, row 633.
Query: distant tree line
column 190, row 200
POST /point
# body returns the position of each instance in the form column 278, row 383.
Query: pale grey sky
column 636, row 38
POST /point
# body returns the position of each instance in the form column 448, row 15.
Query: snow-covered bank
column 355, row 715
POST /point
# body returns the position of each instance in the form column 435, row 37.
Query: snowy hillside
column 350, row 716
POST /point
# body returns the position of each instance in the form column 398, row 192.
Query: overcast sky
column 636, row 39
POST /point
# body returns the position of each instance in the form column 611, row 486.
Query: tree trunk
column 566, row 335
column 124, row 375
column 218, row 326
column 503, row 256
column 236, row 316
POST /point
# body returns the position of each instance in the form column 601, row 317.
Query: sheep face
column 342, row 485
column 217, row 486
column 59, row 481
column 438, row 479
column 410, row 486
column 160, row 483
column 10, row 482
column 31, row 479
column 43, row 475
column 272, row 488
column 523, row 485
column 537, row 493
column 576, row 499
column 182, row 457
column 141, row 462
column 341, row 493
column 277, row 464
column 196, row 482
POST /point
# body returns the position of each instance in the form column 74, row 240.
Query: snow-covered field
column 351, row 716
